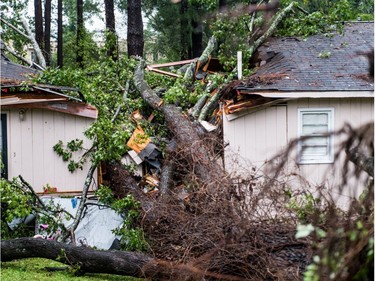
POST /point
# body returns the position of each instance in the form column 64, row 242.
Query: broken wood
column 202, row 60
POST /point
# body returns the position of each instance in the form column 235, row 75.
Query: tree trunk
column 184, row 31
column 60, row 33
column 135, row 29
column 190, row 144
column 80, row 33
column 89, row 260
column 111, row 39
column 111, row 262
column 47, row 32
column 38, row 12
column 197, row 37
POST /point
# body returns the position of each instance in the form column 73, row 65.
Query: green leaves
column 67, row 153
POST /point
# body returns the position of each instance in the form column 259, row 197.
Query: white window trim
column 330, row 158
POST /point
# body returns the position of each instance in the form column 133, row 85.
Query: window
column 3, row 146
column 315, row 123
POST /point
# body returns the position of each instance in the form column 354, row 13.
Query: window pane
column 315, row 118
column 314, row 129
column 315, row 141
column 314, row 151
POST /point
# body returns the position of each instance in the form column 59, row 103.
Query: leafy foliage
column 102, row 84
column 17, row 203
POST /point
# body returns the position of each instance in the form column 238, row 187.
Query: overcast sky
column 96, row 24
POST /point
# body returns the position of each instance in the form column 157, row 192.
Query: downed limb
column 192, row 145
column 271, row 29
column 30, row 36
column 210, row 105
column 82, row 202
column 28, row 62
column 202, row 60
column 111, row 262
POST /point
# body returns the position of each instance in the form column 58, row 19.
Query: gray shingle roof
column 299, row 64
column 11, row 72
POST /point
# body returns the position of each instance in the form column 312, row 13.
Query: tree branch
column 276, row 20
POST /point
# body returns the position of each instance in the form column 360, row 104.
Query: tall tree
column 111, row 38
column 135, row 28
column 197, row 31
column 80, row 33
column 47, row 31
column 60, row 33
column 38, row 12
column 184, row 30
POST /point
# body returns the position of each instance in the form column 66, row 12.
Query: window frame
column 329, row 157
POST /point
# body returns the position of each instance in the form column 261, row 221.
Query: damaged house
column 302, row 87
column 34, row 118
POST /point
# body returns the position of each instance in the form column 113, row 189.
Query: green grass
column 33, row 270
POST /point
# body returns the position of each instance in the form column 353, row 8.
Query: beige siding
column 30, row 148
column 255, row 137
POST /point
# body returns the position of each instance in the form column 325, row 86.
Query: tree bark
column 37, row 49
column 47, row 31
column 110, row 25
column 184, row 31
column 60, row 62
column 89, row 260
column 135, row 29
column 38, row 14
column 80, row 33
column 191, row 145
column 111, row 262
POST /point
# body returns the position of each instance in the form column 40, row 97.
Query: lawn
column 33, row 270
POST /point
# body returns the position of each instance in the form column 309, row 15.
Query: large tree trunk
column 135, row 28
column 190, row 144
column 184, row 31
column 110, row 25
column 80, row 33
column 59, row 33
column 111, row 262
column 38, row 12
column 47, row 31
column 89, row 260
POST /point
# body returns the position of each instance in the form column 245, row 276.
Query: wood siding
column 30, row 148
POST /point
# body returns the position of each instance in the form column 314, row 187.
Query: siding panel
column 30, row 148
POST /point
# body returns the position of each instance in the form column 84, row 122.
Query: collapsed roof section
column 320, row 66
column 17, row 92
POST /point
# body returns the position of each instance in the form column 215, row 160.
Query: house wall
column 255, row 137
column 30, row 148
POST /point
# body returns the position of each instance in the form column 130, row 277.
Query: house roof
column 14, row 73
column 15, row 94
column 317, row 63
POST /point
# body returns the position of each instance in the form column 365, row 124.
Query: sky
column 96, row 24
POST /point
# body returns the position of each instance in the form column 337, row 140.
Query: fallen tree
column 87, row 260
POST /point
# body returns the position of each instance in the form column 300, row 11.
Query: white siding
column 30, row 148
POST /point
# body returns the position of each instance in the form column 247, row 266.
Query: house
column 301, row 87
column 34, row 118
